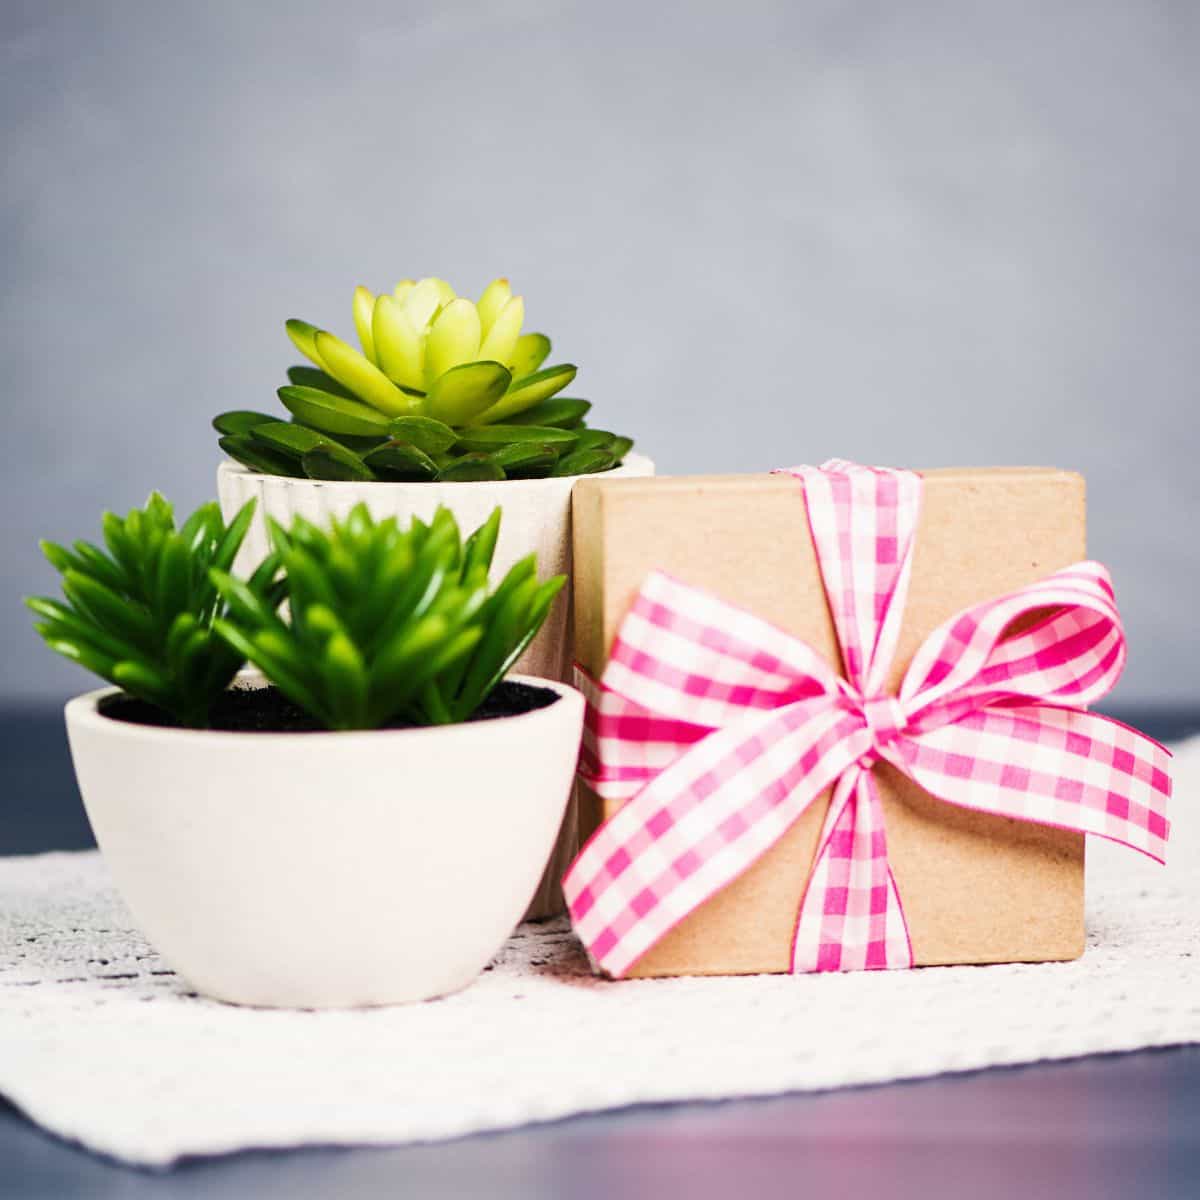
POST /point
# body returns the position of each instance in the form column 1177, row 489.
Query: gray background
column 912, row 233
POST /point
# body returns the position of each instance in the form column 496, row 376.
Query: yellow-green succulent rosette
column 442, row 388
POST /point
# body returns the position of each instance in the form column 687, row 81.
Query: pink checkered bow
column 718, row 730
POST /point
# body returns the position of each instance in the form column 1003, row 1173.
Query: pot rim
column 83, row 711
column 228, row 466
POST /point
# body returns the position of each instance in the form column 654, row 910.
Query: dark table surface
column 1100, row 1127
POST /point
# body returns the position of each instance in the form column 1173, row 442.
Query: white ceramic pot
column 537, row 517
column 327, row 870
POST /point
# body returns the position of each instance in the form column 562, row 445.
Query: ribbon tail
column 701, row 823
column 1056, row 766
column 851, row 918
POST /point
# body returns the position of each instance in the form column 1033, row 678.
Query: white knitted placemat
column 102, row 1044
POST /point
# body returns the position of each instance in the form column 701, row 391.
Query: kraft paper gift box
column 976, row 888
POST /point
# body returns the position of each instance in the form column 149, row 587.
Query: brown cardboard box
column 976, row 888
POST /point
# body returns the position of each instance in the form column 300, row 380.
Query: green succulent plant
column 141, row 614
column 443, row 389
column 386, row 623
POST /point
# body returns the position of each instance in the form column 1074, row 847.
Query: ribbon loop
column 1000, row 652
column 689, row 656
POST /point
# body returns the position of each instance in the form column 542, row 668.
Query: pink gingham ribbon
column 717, row 730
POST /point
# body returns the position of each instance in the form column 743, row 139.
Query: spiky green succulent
column 443, row 389
column 142, row 614
column 387, row 623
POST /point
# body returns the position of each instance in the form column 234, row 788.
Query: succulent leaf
column 480, row 546
column 459, row 395
column 531, row 350
column 620, row 447
column 59, row 558
column 359, row 444
column 470, row 468
column 500, row 340
column 242, row 602
column 400, row 460
column 311, row 377
column 525, row 462
column 240, row 421
column 127, row 624
column 333, row 414
column 304, row 338
column 170, row 595
column 434, row 437
column 334, row 462
column 445, row 292
column 594, row 439
column 364, row 309
column 86, row 656
column 424, row 298
column 363, row 378
column 489, row 437
column 99, row 565
column 256, row 457
column 286, row 438
column 508, row 619
column 399, row 346
column 224, row 541
column 584, row 462
column 453, row 340
column 495, row 296
column 345, row 677
column 560, row 411
column 533, row 389
column 141, row 679
column 115, row 539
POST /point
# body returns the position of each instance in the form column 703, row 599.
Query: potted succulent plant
column 363, row 818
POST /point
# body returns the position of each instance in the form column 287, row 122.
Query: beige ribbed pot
column 537, row 517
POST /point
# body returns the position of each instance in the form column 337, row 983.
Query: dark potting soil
column 268, row 710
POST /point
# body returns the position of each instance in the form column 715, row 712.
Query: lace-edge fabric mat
column 101, row 1043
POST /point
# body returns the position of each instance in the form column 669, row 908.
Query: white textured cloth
column 101, row 1043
